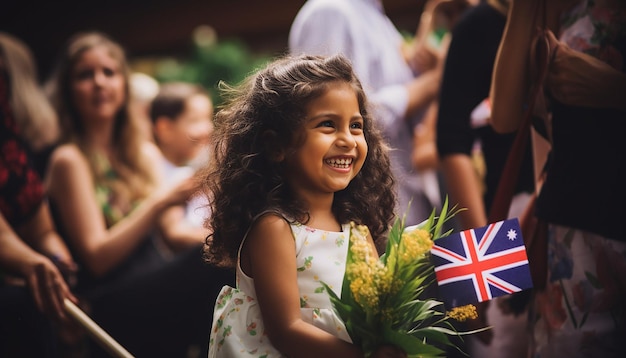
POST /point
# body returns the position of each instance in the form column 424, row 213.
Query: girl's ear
column 272, row 146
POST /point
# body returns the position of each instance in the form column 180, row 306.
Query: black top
column 466, row 82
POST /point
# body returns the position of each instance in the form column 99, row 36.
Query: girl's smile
column 340, row 163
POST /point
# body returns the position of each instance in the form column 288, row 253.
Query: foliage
column 381, row 299
column 212, row 61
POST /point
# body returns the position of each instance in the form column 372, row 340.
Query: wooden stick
column 103, row 338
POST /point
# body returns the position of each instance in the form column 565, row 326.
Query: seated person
column 182, row 121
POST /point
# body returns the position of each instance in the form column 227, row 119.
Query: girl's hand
column 388, row 351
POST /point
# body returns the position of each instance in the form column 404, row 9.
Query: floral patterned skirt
column 582, row 312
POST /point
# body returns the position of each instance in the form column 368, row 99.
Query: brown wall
column 163, row 27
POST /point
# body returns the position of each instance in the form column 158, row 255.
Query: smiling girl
column 296, row 158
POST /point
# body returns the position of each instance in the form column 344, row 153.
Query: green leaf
column 440, row 220
column 410, row 344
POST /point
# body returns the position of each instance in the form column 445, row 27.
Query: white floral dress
column 238, row 329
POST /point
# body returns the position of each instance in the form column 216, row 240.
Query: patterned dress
column 238, row 329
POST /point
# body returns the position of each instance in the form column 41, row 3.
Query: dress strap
column 265, row 212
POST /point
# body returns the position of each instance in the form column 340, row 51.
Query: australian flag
column 479, row 264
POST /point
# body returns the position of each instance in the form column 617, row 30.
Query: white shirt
column 196, row 210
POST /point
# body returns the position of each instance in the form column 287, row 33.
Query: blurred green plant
column 212, row 60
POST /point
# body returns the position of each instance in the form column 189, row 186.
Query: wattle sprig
column 381, row 299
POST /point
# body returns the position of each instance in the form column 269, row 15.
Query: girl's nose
column 346, row 140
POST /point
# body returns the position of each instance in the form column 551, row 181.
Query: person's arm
column 464, row 189
column 426, row 60
column 424, row 155
column 510, row 80
column 177, row 232
column 511, row 74
column 42, row 277
column 423, row 90
column 39, row 232
column 466, row 82
column 70, row 185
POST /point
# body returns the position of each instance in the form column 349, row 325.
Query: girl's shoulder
column 268, row 224
column 270, row 221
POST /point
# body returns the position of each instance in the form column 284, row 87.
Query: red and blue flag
column 479, row 264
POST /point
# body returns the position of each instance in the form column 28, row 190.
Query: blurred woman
column 109, row 202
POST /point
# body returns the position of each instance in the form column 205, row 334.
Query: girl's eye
column 326, row 124
column 356, row 125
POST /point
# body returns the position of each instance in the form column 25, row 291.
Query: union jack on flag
column 479, row 264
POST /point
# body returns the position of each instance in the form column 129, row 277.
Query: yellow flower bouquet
column 381, row 299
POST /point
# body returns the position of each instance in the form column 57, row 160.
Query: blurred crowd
column 102, row 202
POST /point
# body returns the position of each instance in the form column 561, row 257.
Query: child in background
column 296, row 158
column 182, row 121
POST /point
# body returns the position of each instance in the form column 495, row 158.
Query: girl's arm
column 70, row 185
column 269, row 256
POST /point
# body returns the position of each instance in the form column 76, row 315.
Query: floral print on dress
column 594, row 29
column 307, row 264
column 583, row 305
column 238, row 329
column 560, row 258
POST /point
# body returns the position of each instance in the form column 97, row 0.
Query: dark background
column 163, row 28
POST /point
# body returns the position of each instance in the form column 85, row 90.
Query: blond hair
column 34, row 115
column 134, row 177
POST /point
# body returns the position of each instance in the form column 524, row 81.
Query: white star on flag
column 511, row 234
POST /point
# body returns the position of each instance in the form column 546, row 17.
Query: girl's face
column 97, row 85
column 334, row 147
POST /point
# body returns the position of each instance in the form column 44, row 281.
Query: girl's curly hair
column 264, row 116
